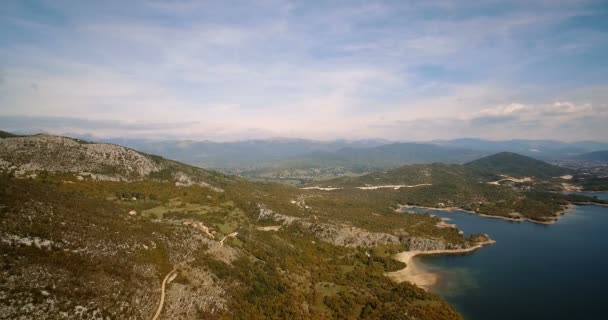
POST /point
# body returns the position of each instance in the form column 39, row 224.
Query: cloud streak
column 316, row 70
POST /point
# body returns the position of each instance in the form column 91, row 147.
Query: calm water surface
column 533, row 271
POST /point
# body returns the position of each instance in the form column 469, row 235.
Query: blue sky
column 227, row 70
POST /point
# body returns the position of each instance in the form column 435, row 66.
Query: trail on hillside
column 162, row 294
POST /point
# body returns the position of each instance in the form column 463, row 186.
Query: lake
column 533, row 271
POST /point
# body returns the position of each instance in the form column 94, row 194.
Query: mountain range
column 372, row 154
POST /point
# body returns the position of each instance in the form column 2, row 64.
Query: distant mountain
column 541, row 149
column 374, row 153
column 513, row 164
column 239, row 153
column 594, row 156
column 390, row 155
column 370, row 153
column 301, row 153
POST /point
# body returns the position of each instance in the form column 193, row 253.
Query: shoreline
column 590, row 204
column 417, row 275
column 551, row 220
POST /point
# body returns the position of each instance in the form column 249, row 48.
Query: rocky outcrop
column 425, row 244
column 350, row 236
column 435, row 244
column 27, row 155
column 184, row 180
column 267, row 214
column 53, row 153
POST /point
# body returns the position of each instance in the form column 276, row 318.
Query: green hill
column 473, row 186
column 515, row 165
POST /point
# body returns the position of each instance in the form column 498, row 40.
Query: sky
column 237, row 70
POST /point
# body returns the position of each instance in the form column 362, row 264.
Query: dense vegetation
column 111, row 263
column 592, row 183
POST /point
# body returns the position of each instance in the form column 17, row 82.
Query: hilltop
column 516, row 165
column 97, row 161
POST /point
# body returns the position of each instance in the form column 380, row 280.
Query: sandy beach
column 417, row 275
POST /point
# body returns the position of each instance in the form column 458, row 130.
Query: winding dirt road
column 162, row 294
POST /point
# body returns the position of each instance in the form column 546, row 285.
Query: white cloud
column 277, row 68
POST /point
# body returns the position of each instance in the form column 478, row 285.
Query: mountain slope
column 390, row 155
column 89, row 231
column 513, row 164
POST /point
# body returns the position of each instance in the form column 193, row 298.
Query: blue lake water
column 533, row 271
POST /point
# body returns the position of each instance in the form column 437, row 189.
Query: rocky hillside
column 90, row 231
column 26, row 155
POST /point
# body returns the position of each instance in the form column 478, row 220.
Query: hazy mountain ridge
column 239, row 153
column 391, row 155
column 543, row 149
column 292, row 152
